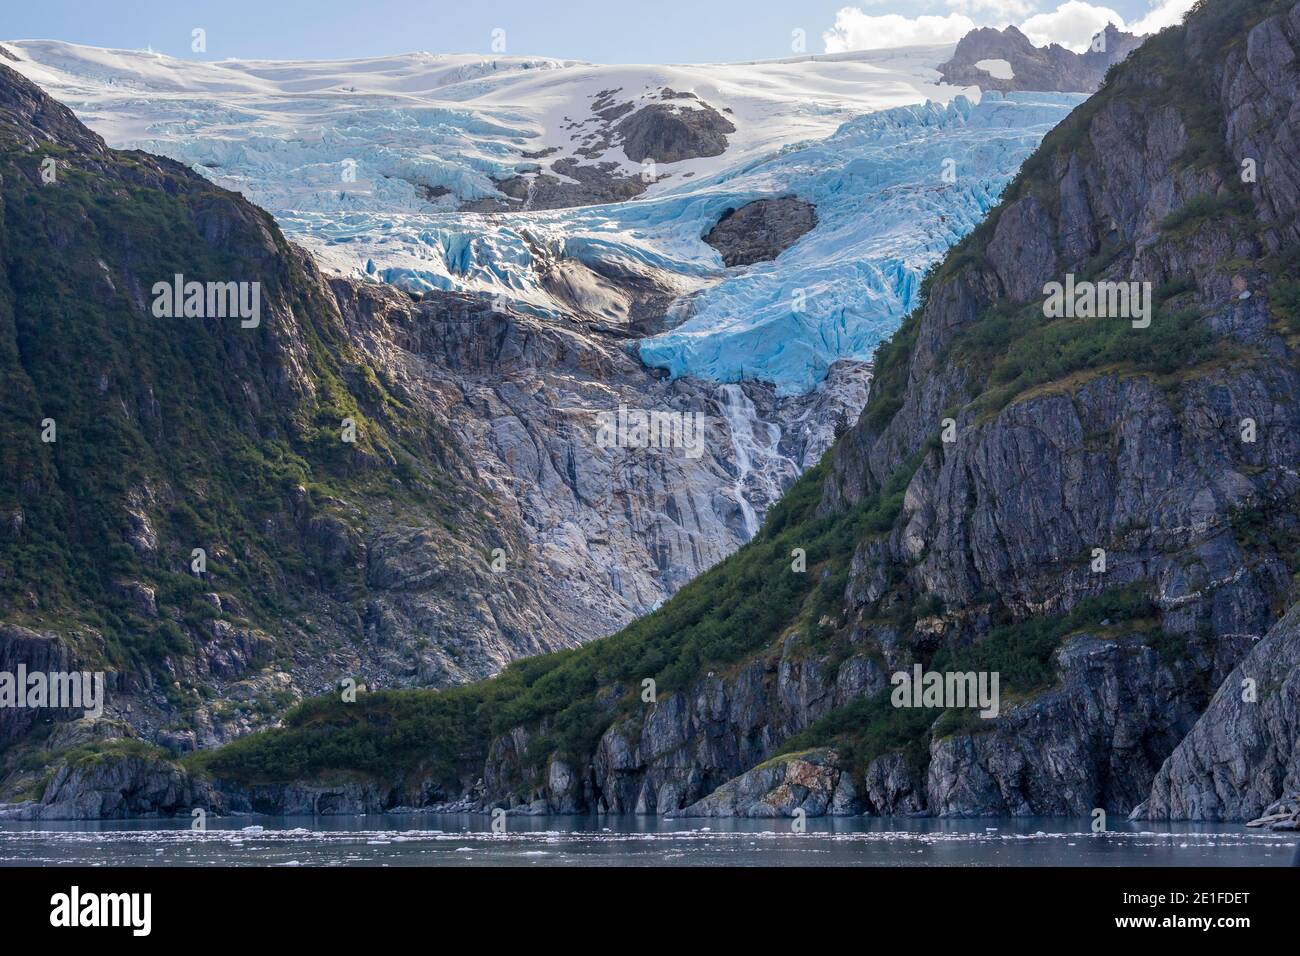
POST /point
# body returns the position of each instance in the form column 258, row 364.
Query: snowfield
column 365, row 162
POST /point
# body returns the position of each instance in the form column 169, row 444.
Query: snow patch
column 998, row 69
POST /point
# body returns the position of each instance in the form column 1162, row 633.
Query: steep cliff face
column 1243, row 754
column 1169, row 447
column 620, row 526
column 397, row 489
column 1099, row 508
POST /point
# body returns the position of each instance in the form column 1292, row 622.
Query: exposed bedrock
column 671, row 132
column 761, row 230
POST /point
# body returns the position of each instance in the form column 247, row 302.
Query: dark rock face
column 669, row 133
column 761, row 230
column 117, row 782
column 38, row 652
column 1094, row 741
column 678, row 750
column 121, row 788
column 575, row 184
column 1006, row 514
column 686, row 745
column 1243, row 754
column 676, row 127
column 1153, row 477
column 1049, row 69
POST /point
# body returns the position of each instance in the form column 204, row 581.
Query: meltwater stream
column 748, row 446
column 418, row 839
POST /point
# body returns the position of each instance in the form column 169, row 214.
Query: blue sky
column 609, row 31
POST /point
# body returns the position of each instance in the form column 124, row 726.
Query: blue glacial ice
column 418, row 134
column 886, row 212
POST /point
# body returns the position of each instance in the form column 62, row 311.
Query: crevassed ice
column 417, row 124
column 885, row 214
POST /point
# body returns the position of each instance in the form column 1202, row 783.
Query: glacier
column 364, row 162
column 893, row 191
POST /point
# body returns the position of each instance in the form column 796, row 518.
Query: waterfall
column 740, row 415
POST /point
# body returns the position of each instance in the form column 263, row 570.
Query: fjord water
column 419, row 839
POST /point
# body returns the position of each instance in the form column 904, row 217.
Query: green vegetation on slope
column 735, row 609
column 197, row 423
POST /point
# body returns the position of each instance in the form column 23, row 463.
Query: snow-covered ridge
column 365, row 162
column 280, row 130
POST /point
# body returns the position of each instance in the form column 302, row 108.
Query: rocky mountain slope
column 1006, row 59
column 1241, row 756
column 132, row 440
column 472, row 516
column 1099, row 510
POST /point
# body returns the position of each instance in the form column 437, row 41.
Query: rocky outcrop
column 661, row 126
column 672, row 132
column 1242, row 757
column 1093, row 741
column 38, row 652
column 891, row 787
column 99, row 770
column 809, row 782
column 569, row 182
column 1282, row 814
column 117, row 788
column 676, row 751
column 985, row 56
column 761, row 230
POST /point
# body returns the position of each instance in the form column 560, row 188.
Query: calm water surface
column 467, row 840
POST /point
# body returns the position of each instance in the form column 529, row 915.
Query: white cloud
column 1165, row 14
column 855, row 30
column 1073, row 25
column 1004, row 11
